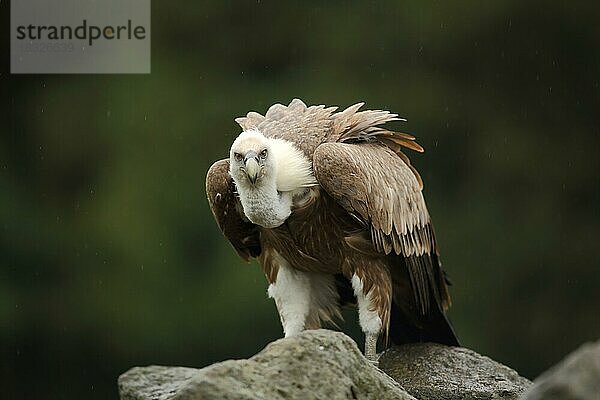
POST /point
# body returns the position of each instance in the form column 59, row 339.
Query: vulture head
column 251, row 163
column 268, row 173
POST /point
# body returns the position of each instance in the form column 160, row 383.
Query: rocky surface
column 316, row 364
column 432, row 371
column 577, row 377
column 327, row 365
column 154, row 382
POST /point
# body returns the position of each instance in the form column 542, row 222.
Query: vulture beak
column 252, row 167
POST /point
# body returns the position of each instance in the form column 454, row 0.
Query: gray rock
column 154, row 382
column 577, row 377
column 316, row 364
column 431, row 371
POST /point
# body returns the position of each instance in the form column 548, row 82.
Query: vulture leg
column 291, row 292
column 371, row 347
column 373, row 311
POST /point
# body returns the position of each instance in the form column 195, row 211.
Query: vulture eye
column 263, row 154
column 238, row 157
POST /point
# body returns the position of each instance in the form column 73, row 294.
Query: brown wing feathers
column 385, row 193
column 352, row 125
column 225, row 206
column 370, row 180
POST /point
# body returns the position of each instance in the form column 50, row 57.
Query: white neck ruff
column 269, row 203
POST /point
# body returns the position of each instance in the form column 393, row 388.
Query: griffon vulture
column 333, row 211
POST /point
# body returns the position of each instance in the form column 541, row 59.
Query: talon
column 374, row 363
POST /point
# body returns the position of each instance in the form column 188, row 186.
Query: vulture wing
column 227, row 210
column 365, row 171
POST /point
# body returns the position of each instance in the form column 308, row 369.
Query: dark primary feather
column 434, row 327
column 408, row 323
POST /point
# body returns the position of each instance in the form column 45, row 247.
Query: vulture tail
column 434, row 327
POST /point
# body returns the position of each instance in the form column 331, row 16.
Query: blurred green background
column 110, row 258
